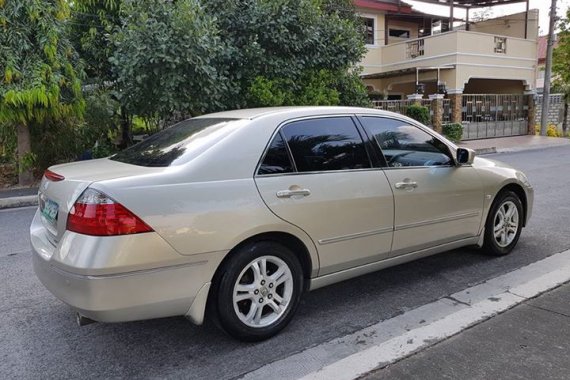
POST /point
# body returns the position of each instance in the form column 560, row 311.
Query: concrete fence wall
column 555, row 112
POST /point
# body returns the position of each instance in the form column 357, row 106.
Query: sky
column 542, row 5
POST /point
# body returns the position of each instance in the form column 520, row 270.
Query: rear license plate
column 50, row 210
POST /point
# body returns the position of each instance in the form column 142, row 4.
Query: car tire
column 252, row 305
column 504, row 224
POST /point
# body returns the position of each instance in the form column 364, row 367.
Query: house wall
column 510, row 25
column 379, row 25
column 373, row 58
column 397, row 24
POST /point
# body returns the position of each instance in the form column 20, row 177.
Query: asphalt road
column 39, row 337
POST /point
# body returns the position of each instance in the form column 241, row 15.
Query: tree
column 40, row 71
column 301, row 51
column 92, row 24
column 482, row 14
column 166, row 57
column 561, row 66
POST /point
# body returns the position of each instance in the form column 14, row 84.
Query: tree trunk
column 25, row 178
column 126, row 137
column 565, row 120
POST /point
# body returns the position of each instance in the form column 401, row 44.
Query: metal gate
column 487, row 116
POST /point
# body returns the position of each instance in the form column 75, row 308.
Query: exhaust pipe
column 83, row 321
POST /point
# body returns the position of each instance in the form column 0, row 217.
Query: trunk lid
column 56, row 198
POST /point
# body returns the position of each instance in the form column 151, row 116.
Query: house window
column 501, row 45
column 399, row 33
column 368, row 30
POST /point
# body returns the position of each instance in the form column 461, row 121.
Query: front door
column 316, row 174
column 436, row 202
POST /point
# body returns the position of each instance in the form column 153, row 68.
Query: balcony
column 455, row 48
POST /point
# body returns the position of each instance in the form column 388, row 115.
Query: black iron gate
column 487, row 116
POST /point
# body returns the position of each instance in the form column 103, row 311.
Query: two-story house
column 410, row 52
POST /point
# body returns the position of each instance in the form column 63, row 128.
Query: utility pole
column 548, row 71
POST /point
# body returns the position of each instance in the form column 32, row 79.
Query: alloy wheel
column 506, row 224
column 263, row 291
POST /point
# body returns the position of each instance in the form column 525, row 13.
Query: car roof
column 253, row 113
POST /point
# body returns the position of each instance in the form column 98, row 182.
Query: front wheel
column 259, row 291
column 504, row 224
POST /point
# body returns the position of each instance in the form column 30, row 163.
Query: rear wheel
column 259, row 290
column 504, row 224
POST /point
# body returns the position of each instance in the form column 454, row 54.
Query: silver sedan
column 234, row 215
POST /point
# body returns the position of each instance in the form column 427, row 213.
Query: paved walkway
column 514, row 143
column 18, row 192
column 530, row 341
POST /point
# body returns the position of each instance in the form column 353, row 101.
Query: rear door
column 436, row 202
column 317, row 175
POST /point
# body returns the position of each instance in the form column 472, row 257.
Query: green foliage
column 92, row 22
column 28, row 162
column 39, row 70
column 165, row 57
column 289, row 52
column 561, row 56
column 313, row 88
column 418, row 113
column 39, row 75
column 453, row 131
column 8, row 144
column 101, row 111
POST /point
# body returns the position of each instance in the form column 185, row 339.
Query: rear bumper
column 120, row 279
column 125, row 297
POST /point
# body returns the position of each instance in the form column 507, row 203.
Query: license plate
column 49, row 210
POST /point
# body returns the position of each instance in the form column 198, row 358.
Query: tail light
column 53, row 176
column 95, row 213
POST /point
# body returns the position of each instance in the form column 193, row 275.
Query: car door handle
column 292, row 193
column 406, row 185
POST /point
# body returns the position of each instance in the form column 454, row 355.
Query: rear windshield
column 178, row 144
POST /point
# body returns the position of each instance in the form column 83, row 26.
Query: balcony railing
column 457, row 47
column 415, row 49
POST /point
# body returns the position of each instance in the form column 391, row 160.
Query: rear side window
column 178, row 144
column 326, row 144
column 406, row 145
column 276, row 160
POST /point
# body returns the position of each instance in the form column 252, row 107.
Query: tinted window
column 276, row 160
column 406, row 145
column 178, row 144
column 326, row 144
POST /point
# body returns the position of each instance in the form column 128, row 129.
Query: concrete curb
column 13, row 202
column 492, row 150
column 483, row 151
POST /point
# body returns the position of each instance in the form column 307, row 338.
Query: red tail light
column 96, row 214
column 53, row 176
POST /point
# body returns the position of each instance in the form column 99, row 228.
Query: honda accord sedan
column 234, row 215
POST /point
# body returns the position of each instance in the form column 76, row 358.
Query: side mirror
column 465, row 156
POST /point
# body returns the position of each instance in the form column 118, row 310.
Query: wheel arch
column 519, row 191
column 285, row 238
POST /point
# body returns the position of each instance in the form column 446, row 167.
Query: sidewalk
column 18, row 197
column 530, row 341
column 514, row 144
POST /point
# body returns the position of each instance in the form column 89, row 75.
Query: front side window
column 405, row 145
column 326, row 144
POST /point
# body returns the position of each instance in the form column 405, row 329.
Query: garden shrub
column 419, row 113
column 453, row 131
